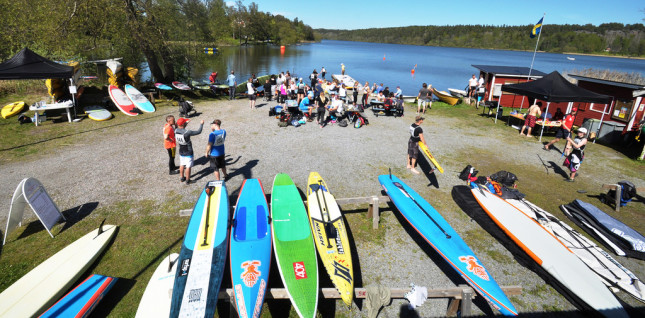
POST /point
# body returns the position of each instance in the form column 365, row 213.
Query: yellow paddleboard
column 330, row 236
column 12, row 109
column 430, row 156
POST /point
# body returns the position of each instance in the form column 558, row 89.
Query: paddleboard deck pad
column 200, row 267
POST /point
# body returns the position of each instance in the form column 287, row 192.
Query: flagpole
column 533, row 60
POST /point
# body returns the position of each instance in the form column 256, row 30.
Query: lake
column 391, row 64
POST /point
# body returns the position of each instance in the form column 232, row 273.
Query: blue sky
column 348, row 14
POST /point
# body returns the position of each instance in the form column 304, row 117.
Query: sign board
column 31, row 192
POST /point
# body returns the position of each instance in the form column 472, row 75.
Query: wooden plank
column 359, row 200
column 453, row 307
column 395, row 293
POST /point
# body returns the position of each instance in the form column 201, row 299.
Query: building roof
column 509, row 70
column 555, row 88
column 607, row 82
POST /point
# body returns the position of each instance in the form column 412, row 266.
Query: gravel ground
column 126, row 162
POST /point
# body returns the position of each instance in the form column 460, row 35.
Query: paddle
column 209, row 192
column 398, row 185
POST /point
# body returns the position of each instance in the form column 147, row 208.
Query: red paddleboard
column 122, row 102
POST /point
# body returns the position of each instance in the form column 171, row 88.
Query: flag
column 537, row 28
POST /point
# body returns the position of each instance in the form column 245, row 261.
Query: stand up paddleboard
column 180, row 86
column 12, row 109
column 612, row 273
column 426, row 151
column 83, row 298
column 38, row 289
column 294, row 248
column 330, row 236
column 97, row 113
column 163, row 87
column 155, row 301
column 122, row 102
column 139, row 100
column 250, row 249
column 443, row 239
column 548, row 252
column 200, row 267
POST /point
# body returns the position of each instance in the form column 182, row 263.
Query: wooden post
column 467, row 294
column 618, row 194
column 376, row 217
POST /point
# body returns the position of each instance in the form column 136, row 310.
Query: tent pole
column 601, row 119
column 544, row 120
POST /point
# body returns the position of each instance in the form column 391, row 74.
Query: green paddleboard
column 294, row 248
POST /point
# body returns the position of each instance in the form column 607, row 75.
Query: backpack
column 360, row 122
column 504, row 177
column 628, row 192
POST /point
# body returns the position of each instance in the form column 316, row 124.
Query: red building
column 495, row 76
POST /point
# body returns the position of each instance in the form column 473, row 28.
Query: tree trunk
column 139, row 34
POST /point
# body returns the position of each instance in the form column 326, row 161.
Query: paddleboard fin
column 101, row 227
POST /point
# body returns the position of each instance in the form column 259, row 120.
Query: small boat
column 347, row 80
column 457, row 92
column 163, row 87
column 571, row 58
column 445, row 97
column 201, row 85
column 180, row 86
column 409, row 99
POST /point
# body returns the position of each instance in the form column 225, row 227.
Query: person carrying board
column 416, row 135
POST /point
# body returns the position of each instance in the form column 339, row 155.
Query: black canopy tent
column 555, row 88
column 28, row 65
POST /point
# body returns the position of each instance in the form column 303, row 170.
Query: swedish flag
column 537, row 28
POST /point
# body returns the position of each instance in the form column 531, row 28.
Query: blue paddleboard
column 443, row 239
column 139, row 100
column 200, row 266
column 163, row 87
column 83, row 298
column 250, row 249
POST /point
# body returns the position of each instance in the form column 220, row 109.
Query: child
column 169, row 143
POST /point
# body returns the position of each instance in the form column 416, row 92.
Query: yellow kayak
column 430, row 156
column 12, row 109
column 330, row 236
column 445, row 97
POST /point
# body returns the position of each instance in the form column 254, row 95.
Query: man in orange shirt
column 169, row 143
column 565, row 129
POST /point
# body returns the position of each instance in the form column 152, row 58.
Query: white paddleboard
column 41, row 287
column 155, row 301
column 139, row 100
column 97, row 113
column 548, row 252
column 612, row 273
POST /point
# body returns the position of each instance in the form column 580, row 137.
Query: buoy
column 282, row 49
column 383, row 57
column 412, row 71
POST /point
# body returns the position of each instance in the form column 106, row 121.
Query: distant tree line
column 608, row 38
column 155, row 30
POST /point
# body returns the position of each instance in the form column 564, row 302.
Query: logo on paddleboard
column 241, row 305
column 185, row 264
column 299, row 270
column 195, row 295
column 342, row 272
column 251, row 273
column 474, row 267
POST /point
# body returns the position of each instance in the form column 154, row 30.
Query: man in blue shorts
column 215, row 149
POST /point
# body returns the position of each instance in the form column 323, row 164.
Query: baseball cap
column 574, row 109
column 582, row 130
column 182, row 121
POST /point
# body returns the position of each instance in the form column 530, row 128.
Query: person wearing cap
column 182, row 135
column 232, row 84
column 170, row 143
column 416, row 135
column 565, row 128
column 215, row 149
column 576, row 152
